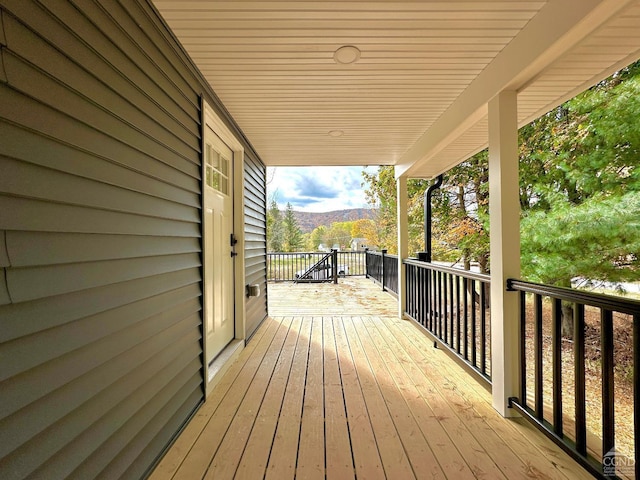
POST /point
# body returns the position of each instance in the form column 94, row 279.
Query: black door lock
column 233, row 240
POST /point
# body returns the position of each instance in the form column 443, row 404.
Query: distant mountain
column 307, row 221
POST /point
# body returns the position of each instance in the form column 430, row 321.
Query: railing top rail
column 347, row 252
column 296, row 253
column 379, row 254
column 483, row 277
column 608, row 302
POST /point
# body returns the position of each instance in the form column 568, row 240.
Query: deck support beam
column 403, row 241
column 504, row 215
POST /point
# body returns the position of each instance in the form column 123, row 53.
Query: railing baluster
column 411, row 288
column 474, row 346
column 434, row 302
column 458, row 315
column 483, row 330
column 415, row 276
column 537, row 354
column 556, row 340
column 444, row 314
column 439, row 306
column 423, row 298
column 431, row 297
column 465, row 333
column 579, row 369
column 450, row 317
column 608, row 411
column 523, row 348
column 408, row 299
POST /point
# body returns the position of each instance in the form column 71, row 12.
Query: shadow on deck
column 334, row 384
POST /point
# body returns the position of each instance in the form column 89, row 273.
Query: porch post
column 504, row 217
column 403, row 240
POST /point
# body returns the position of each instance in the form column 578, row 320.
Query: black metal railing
column 383, row 269
column 453, row 306
column 596, row 328
column 283, row 267
column 324, row 270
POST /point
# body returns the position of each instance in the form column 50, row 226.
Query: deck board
column 364, row 447
column 333, row 385
column 255, row 457
column 311, row 451
column 339, row 461
column 284, row 452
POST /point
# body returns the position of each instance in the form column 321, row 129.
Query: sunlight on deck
column 334, row 385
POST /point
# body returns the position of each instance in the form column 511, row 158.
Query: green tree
column 367, row 229
column 275, row 228
column 339, row 233
column 292, row 235
column 598, row 240
column 461, row 214
column 381, row 193
column 579, row 184
column 317, row 237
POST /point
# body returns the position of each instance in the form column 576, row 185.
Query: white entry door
column 218, row 245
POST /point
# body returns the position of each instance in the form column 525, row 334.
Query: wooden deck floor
column 334, row 386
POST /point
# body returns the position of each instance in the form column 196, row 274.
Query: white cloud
column 317, row 189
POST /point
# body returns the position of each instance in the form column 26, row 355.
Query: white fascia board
column 557, row 28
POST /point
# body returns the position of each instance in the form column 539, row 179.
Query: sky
column 317, row 189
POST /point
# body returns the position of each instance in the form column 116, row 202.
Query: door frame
column 212, row 373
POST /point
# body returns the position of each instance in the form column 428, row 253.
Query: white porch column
column 504, row 215
column 403, row 240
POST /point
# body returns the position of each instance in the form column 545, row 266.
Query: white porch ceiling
column 417, row 96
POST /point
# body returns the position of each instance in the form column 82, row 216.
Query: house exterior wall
column 255, row 240
column 100, row 238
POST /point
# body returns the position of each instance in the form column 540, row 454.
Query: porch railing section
column 609, row 320
column 453, row 306
column 283, row 266
column 324, row 270
column 383, row 269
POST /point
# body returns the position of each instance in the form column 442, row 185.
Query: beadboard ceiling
column 417, row 95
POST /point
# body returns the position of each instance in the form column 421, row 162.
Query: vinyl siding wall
column 255, row 212
column 100, row 248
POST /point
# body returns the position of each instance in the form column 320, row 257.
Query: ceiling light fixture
column 336, row 133
column 346, row 55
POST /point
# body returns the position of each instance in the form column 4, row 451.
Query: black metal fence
column 453, row 306
column 383, row 269
column 283, row 267
column 559, row 403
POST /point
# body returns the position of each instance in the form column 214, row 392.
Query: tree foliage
column 338, row 235
column 580, row 186
column 459, row 212
column 275, row 229
column 381, row 193
column 283, row 232
column 367, row 229
column 597, row 239
column 292, row 235
column 317, row 237
column 579, row 193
